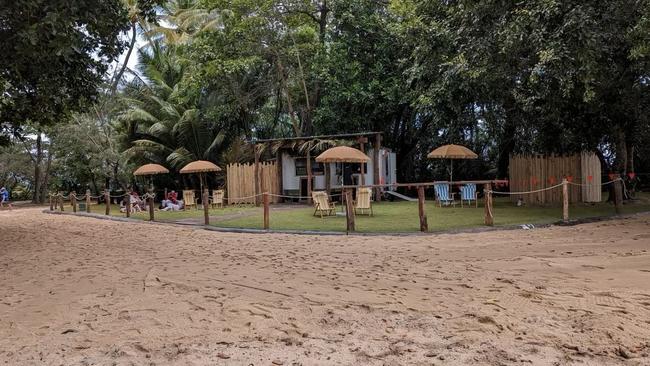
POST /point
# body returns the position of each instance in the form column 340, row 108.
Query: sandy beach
column 82, row 291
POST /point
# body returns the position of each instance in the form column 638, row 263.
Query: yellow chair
column 362, row 203
column 189, row 199
column 217, row 198
column 322, row 204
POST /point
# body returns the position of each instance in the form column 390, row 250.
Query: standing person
column 4, row 198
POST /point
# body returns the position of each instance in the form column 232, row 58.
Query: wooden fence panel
column 531, row 173
column 241, row 182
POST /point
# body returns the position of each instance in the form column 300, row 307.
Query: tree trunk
column 621, row 151
column 37, row 168
column 118, row 77
column 46, row 178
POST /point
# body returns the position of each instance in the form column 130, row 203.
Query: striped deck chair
column 444, row 195
column 322, row 204
column 189, row 199
column 468, row 193
column 363, row 201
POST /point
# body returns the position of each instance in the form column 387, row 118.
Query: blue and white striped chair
column 468, row 193
column 444, row 195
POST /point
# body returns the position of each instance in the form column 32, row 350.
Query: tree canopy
column 501, row 77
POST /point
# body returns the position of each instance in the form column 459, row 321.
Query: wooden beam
column 618, row 195
column 362, row 148
column 489, row 218
column 349, row 211
column 107, row 199
column 88, row 200
column 424, row 226
column 278, row 161
column 150, row 204
column 565, row 200
column 266, row 210
column 328, row 178
column 375, row 163
column 257, row 176
column 73, row 201
column 206, row 207
column 309, row 187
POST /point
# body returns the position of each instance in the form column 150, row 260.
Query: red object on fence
column 590, row 178
column 569, row 178
column 551, row 180
column 611, row 176
column 533, row 180
column 631, row 175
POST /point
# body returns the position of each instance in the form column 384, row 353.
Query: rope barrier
column 553, row 187
column 527, row 192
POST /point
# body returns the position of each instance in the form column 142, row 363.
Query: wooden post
column 88, row 200
column 565, row 200
column 328, row 178
column 127, row 204
column 107, row 200
column 278, row 162
column 151, row 203
column 362, row 147
column 206, row 206
column 51, row 203
column 489, row 218
column 349, row 211
column 309, row 177
column 61, row 201
column 375, row 166
column 165, row 196
column 73, row 201
column 618, row 194
column 424, row 226
column 257, row 176
column 266, row 210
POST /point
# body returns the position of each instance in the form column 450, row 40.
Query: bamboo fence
column 531, row 173
column 241, row 182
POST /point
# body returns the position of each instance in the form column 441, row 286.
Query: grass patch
column 388, row 216
column 403, row 216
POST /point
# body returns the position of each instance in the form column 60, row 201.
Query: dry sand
column 80, row 291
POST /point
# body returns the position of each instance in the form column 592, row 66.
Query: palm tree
column 163, row 127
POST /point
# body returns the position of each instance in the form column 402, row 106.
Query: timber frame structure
column 361, row 138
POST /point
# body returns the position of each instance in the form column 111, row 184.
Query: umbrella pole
column 451, row 171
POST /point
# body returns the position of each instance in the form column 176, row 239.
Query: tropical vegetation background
column 90, row 89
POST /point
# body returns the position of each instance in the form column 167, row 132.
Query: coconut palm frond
column 180, row 157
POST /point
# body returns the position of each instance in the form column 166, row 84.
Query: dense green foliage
column 540, row 76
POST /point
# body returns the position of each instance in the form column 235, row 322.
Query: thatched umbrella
column 150, row 170
column 452, row 152
column 342, row 154
column 201, row 167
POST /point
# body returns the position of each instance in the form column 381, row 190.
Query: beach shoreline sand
column 80, row 291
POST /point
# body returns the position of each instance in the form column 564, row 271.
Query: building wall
column 292, row 182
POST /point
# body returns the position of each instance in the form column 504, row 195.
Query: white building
column 294, row 173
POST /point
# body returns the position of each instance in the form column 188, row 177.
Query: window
column 301, row 167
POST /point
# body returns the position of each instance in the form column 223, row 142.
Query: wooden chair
column 189, row 199
column 322, row 204
column 444, row 195
column 217, row 198
column 468, row 193
column 362, row 202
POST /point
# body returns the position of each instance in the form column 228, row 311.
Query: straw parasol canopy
column 452, row 152
column 200, row 166
column 342, row 154
column 151, row 169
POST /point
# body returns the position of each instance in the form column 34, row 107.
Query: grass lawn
column 388, row 216
column 403, row 216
